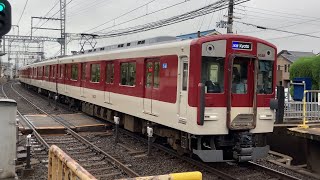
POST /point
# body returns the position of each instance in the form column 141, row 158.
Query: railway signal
column 5, row 17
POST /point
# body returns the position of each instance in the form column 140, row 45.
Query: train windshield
column 265, row 76
column 213, row 74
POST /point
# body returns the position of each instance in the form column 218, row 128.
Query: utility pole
column 63, row 10
column 230, row 16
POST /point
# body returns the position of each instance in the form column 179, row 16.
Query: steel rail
column 273, row 172
column 31, row 126
column 58, row 119
column 194, row 162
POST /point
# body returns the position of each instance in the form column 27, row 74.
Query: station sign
column 242, row 45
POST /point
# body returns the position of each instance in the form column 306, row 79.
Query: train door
column 83, row 79
column 65, row 77
column 109, row 82
column 152, row 80
column 242, row 97
column 183, row 94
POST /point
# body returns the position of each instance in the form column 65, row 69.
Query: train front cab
column 236, row 86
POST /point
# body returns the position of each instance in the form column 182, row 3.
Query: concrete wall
column 8, row 111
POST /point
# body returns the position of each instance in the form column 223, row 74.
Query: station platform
column 47, row 125
column 311, row 136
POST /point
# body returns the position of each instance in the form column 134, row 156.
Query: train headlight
column 210, row 48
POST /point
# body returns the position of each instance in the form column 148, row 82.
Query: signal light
column 5, row 17
column 2, row 7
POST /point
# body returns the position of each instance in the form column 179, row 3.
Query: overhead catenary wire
column 54, row 14
column 122, row 15
column 56, row 3
column 219, row 5
column 139, row 17
column 24, row 8
column 291, row 36
column 279, row 30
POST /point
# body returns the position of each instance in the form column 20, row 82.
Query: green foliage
column 307, row 67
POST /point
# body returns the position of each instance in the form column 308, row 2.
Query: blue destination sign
column 241, row 45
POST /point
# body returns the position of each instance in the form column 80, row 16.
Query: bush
column 307, row 67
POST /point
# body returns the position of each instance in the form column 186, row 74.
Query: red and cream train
column 208, row 96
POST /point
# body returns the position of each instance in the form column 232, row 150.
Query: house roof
column 294, row 55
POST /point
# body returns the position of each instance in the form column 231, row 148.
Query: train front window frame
column 265, row 77
column 212, row 74
column 240, row 76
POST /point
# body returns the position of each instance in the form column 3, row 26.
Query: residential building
column 285, row 58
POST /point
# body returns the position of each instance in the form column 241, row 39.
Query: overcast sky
column 82, row 15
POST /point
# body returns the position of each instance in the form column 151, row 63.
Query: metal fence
column 293, row 112
column 306, row 111
column 61, row 166
column 311, row 103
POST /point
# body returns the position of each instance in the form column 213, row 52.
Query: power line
column 57, row 2
column 219, row 5
column 266, row 28
column 267, row 10
column 121, row 15
column 54, row 15
column 82, row 10
column 168, row 7
column 291, row 36
column 24, row 8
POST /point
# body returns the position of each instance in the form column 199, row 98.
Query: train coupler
column 243, row 150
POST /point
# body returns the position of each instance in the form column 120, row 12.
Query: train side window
column 95, row 72
column 156, row 75
column 53, row 72
column 128, row 74
column 83, row 72
column 149, row 74
column 110, row 73
column 61, row 71
column 265, row 76
column 40, row 71
column 74, row 71
column 185, row 76
column 212, row 74
column 46, row 72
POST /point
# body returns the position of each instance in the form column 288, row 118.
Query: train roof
column 162, row 42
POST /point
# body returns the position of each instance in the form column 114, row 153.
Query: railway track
column 249, row 170
column 224, row 171
column 99, row 163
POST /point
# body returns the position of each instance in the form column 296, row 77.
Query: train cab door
column 242, row 97
column 151, row 87
column 83, row 79
column 183, row 90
